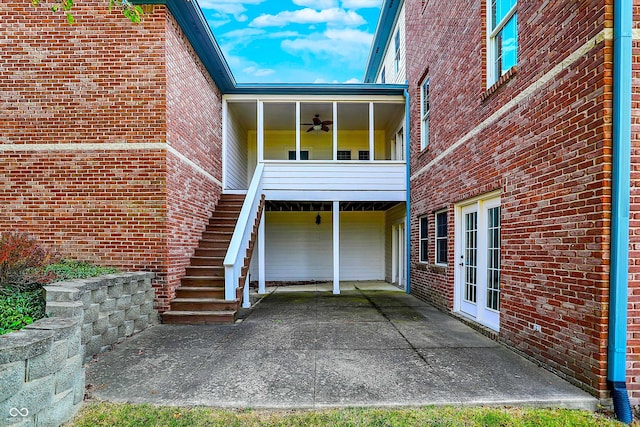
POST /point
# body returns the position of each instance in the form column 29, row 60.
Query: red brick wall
column 194, row 128
column 91, row 82
column 633, row 345
column 549, row 155
column 106, row 80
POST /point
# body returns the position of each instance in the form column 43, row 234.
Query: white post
column 336, row 248
column 260, row 147
column 246, row 303
column 372, row 135
column 298, row 130
column 261, row 252
column 225, row 142
column 335, row 131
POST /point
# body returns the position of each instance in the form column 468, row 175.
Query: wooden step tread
column 203, row 277
column 208, row 300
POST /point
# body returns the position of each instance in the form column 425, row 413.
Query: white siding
column 344, row 180
column 236, row 150
column 389, row 55
column 362, row 245
column 297, row 249
column 393, row 216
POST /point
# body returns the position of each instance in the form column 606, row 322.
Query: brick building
column 118, row 149
column 512, row 124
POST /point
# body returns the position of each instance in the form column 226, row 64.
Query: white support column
column 336, row 247
column 260, row 147
column 372, row 135
column 246, row 302
column 261, row 252
column 225, row 131
column 298, row 130
column 335, row 131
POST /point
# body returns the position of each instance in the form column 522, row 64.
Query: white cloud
column 257, row 71
column 332, row 16
column 353, row 81
column 347, row 44
column 229, row 7
column 316, row 4
column 361, row 4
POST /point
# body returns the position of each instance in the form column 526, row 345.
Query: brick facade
column 97, row 150
column 548, row 152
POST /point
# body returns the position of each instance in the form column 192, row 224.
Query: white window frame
column 440, row 238
column 424, row 113
column 492, row 76
column 396, row 59
column 423, row 257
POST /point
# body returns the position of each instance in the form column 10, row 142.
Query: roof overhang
column 388, row 15
column 194, row 25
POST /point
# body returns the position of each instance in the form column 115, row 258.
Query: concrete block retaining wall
column 41, row 367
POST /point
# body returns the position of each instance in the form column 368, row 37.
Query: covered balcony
column 317, row 148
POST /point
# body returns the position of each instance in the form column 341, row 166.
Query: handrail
column 234, row 259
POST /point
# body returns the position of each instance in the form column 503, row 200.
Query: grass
column 116, row 414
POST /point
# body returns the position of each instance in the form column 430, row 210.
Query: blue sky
column 294, row 41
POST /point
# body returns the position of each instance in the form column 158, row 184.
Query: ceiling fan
column 318, row 124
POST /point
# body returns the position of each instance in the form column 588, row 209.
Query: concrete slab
column 312, row 349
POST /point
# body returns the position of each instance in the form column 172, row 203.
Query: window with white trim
column 441, row 237
column 396, row 60
column 502, row 43
column 424, row 239
column 424, row 114
column 344, row 155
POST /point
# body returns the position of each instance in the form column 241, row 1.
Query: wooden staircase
column 200, row 297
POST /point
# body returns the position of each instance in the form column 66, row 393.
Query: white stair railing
column 234, row 259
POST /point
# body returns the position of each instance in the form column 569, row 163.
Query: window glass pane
column 499, row 9
column 510, row 44
column 423, row 227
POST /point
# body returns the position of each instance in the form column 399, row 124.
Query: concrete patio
column 302, row 347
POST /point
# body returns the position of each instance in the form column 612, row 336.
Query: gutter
column 407, row 149
column 621, row 183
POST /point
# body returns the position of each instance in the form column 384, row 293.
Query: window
column 424, row 114
column 502, row 42
column 397, row 51
column 344, row 155
column 363, row 155
column 382, row 76
column 304, row 155
column 441, row 237
column 424, row 239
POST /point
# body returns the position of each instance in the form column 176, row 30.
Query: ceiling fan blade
column 325, row 128
column 310, row 129
column 327, row 122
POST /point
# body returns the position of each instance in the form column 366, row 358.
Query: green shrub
column 20, row 308
column 25, row 267
column 68, row 270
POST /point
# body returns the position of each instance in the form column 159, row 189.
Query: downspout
column 407, row 149
column 621, row 165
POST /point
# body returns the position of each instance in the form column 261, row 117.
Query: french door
column 478, row 256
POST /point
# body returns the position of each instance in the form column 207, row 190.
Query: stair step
column 199, row 317
column 210, row 252
column 202, row 281
column 207, row 260
column 214, row 244
column 200, row 292
column 205, row 271
column 203, row 304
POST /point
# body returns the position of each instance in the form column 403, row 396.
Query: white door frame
column 483, row 315
column 398, row 255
